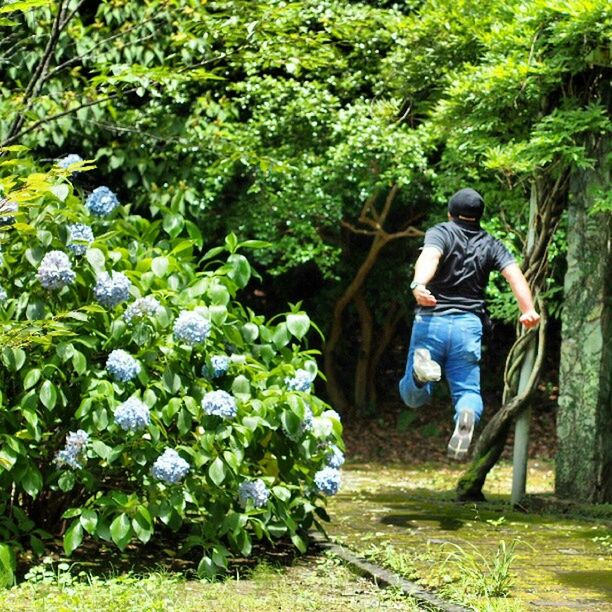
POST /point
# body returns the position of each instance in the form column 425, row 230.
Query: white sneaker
column 424, row 367
column 459, row 443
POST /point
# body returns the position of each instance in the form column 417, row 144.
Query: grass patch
column 311, row 582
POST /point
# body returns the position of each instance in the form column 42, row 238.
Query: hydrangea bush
column 140, row 398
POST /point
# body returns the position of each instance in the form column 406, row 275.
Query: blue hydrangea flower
column 55, row 270
column 6, row 206
column 122, row 366
column 300, row 382
column 68, row 160
column 219, row 403
column 256, row 491
column 132, row 415
column 191, row 327
column 219, row 364
column 79, row 237
column 142, row 307
column 101, row 201
column 335, row 457
column 112, row 289
column 327, row 480
column 72, row 453
column 169, row 467
column 3, row 294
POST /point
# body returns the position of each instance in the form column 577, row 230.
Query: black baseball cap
column 466, row 203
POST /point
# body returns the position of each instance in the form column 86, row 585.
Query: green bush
column 221, row 394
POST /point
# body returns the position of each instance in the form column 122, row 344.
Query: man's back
column 469, row 254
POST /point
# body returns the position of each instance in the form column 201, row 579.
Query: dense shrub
column 138, row 396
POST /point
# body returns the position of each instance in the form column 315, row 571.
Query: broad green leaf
column 121, row 531
column 48, row 394
column 240, row 269
column 216, row 471
column 31, row 378
column 159, row 266
column 298, row 324
column 89, row 520
column 96, row 259
column 73, row 537
column 32, row 481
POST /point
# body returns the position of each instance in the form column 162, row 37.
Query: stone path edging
column 383, row 576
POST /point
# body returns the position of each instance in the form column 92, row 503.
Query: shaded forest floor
column 396, row 434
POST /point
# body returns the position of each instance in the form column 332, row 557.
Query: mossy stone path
column 562, row 562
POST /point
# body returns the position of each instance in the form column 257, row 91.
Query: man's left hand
column 530, row 319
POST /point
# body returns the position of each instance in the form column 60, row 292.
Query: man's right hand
column 530, row 319
column 423, row 296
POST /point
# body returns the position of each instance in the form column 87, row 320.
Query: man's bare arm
column 424, row 270
column 529, row 317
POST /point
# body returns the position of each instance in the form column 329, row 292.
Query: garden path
column 562, row 561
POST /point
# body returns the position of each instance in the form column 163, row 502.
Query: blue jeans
column 454, row 341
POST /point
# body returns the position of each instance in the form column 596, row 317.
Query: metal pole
column 521, row 428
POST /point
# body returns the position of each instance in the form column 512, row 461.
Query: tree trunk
column 366, row 323
column 584, row 421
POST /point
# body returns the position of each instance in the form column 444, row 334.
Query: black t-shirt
column 469, row 254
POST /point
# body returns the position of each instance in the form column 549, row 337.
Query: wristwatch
column 415, row 284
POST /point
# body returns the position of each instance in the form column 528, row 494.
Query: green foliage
column 56, row 380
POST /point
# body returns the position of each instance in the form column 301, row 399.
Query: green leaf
column 79, row 362
column 206, row 568
column 281, row 336
column 142, row 524
column 96, row 259
column 159, row 266
column 173, row 224
column 31, row 378
column 48, row 394
column 60, row 192
column 298, row 324
column 121, row 531
column 299, row 542
column 73, row 537
column 250, row 332
column 7, row 566
column 240, row 269
column 231, row 242
column 66, row 481
column 282, row 493
column 32, row 481
column 291, row 422
column 89, row 520
column 241, row 388
column 101, row 449
column 216, row 471
column 13, row 359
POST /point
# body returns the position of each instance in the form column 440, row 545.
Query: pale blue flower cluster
column 169, row 467
column 327, row 480
column 112, row 289
column 68, row 160
column 55, row 270
column 256, row 491
column 101, row 201
column 142, row 307
column 219, row 364
column 79, row 237
column 191, row 327
column 300, row 382
column 335, row 457
column 219, row 403
column 72, row 452
column 132, row 415
column 3, row 294
column 6, row 206
column 122, row 366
